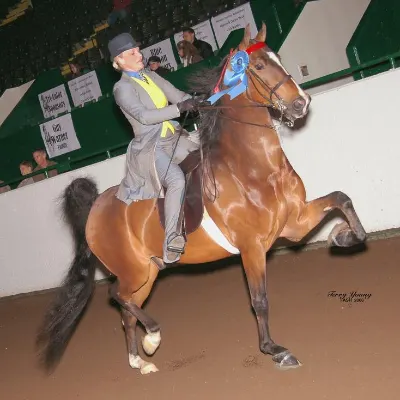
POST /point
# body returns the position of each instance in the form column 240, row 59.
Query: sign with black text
column 237, row 18
column 84, row 88
column 54, row 101
column 59, row 136
column 164, row 51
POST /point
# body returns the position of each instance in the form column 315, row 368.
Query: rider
column 143, row 98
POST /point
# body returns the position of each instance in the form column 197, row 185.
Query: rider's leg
column 174, row 181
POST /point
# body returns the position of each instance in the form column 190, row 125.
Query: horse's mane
column 203, row 82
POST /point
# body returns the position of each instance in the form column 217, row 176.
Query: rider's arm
column 173, row 94
column 129, row 101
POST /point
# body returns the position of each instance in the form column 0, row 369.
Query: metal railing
column 350, row 71
column 66, row 166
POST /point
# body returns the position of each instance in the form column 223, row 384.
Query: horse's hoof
column 286, row 360
column 144, row 366
column 342, row 236
column 147, row 368
column 151, row 342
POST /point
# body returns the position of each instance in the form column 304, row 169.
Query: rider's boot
column 176, row 241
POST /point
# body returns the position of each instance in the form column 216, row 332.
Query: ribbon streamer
column 236, row 80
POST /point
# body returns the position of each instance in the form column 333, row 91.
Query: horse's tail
column 76, row 290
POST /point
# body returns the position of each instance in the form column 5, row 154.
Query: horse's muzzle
column 300, row 105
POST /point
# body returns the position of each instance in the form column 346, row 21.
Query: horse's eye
column 259, row 66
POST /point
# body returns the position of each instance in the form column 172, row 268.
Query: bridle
column 254, row 77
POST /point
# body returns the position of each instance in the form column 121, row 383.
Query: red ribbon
column 254, row 47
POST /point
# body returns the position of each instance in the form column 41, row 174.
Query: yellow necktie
column 159, row 99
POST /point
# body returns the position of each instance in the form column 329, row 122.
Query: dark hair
column 40, row 151
column 187, row 29
column 154, row 59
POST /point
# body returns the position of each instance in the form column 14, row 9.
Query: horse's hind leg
column 306, row 216
column 131, row 313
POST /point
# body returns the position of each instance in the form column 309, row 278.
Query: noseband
column 273, row 91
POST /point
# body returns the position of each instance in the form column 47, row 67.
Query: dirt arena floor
column 209, row 349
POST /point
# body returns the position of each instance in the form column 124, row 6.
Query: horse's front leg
column 305, row 216
column 254, row 263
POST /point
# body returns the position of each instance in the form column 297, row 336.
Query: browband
column 254, row 47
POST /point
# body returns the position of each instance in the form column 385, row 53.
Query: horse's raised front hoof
column 286, row 360
column 343, row 236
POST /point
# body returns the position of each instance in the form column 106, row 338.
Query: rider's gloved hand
column 188, row 105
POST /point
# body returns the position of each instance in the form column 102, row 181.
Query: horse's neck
column 245, row 143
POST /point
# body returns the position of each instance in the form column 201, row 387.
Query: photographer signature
column 350, row 297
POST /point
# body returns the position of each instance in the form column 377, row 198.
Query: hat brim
column 129, row 46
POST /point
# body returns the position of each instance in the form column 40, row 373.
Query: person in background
column 40, row 157
column 121, row 11
column 188, row 53
column 154, row 64
column 77, row 69
column 205, row 49
column 4, row 189
column 26, row 168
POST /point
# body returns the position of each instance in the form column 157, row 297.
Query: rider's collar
column 133, row 74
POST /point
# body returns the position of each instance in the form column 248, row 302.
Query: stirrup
column 176, row 244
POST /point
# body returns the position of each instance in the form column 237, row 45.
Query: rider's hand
column 188, row 105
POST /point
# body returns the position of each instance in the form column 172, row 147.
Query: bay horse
column 258, row 198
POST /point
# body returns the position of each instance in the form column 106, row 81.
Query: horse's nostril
column 299, row 104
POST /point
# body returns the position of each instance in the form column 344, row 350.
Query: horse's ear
column 262, row 34
column 244, row 44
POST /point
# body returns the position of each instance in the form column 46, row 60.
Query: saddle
column 193, row 206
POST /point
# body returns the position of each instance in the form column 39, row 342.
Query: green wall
column 100, row 125
column 377, row 35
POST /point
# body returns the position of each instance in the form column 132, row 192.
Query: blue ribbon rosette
column 236, row 80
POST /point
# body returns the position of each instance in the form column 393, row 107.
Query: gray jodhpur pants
column 174, row 181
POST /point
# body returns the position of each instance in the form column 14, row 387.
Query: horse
column 257, row 198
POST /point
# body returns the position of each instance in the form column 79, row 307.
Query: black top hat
column 121, row 43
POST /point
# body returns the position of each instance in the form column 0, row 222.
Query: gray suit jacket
column 141, row 181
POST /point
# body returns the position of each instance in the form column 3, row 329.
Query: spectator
column 77, row 69
column 205, row 50
column 26, row 168
column 4, row 189
column 188, row 53
column 41, row 160
column 154, row 63
column 121, row 11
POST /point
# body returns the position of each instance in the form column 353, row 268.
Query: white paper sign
column 54, row 101
column 84, row 88
column 237, row 18
column 164, row 51
column 59, row 136
column 203, row 31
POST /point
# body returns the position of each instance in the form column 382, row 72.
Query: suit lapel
column 143, row 95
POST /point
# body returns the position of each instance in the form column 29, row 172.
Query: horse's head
column 268, row 81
